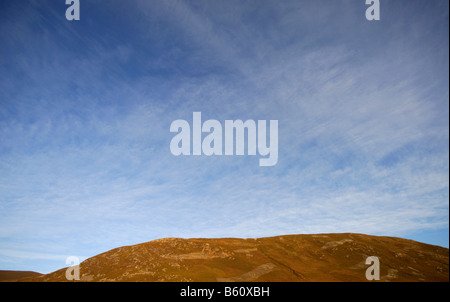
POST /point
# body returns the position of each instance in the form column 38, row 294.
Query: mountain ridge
column 330, row 257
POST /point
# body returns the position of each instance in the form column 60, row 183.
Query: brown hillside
column 14, row 275
column 324, row 257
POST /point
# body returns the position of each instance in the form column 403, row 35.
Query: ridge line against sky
column 86, row 107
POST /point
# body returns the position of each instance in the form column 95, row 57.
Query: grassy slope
column 322, row 257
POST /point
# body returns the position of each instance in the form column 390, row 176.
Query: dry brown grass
column 322, row 257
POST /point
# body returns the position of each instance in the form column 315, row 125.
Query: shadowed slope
column 14, row 275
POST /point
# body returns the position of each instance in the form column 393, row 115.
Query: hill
column 321, row 257
column 14, row 275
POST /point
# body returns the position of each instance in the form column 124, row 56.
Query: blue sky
column 86, row 108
